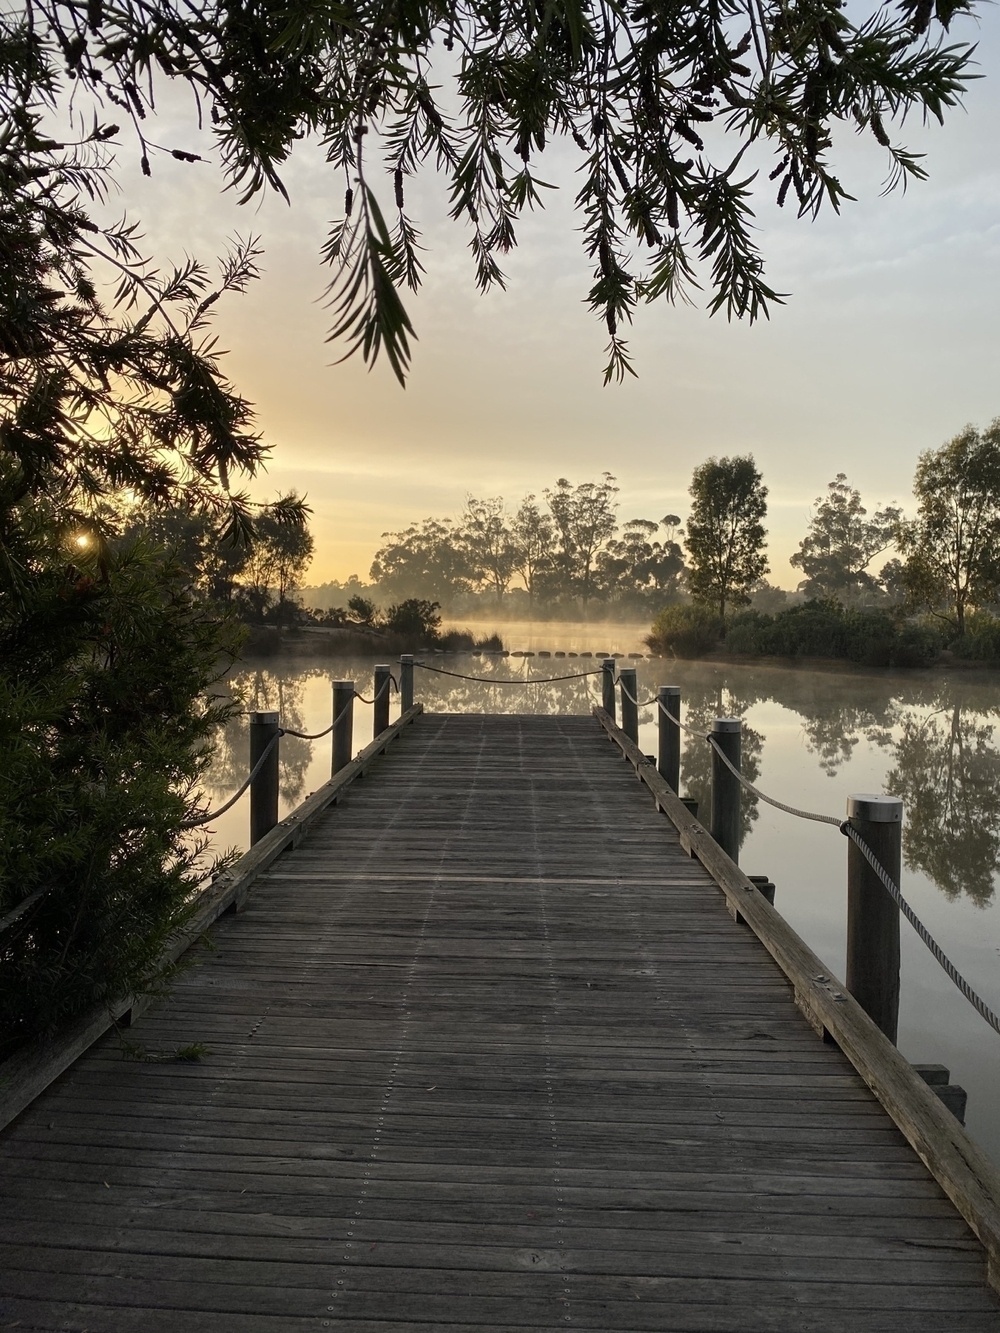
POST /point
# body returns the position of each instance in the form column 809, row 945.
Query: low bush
column 825, row 628
column 981, row 640
column 416, row 618
column 490, row 643
column 457, row 641
column 684, row 630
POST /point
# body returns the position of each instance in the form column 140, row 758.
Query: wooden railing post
column 669, row 733
column 872, row 916
column 725, row 826
column 343, row 731
column 405, row 682
column 608, row 686
column 630, row 705
column 380, row 708
column 264, row 727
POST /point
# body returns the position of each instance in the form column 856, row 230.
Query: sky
column 888, row 345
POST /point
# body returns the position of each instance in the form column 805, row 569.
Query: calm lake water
column 811, row 738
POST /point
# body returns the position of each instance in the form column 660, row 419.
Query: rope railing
column 318, row 735
column 214, row 814
column 639, row 703
column 378, row 695
column 492, row 680
column 283, row 731
column 891, row 887
column 949, row 968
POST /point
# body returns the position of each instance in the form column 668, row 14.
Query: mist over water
column 811, row 738
column 570, row 636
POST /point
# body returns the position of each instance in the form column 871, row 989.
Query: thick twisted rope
column 778, row 805
column 389, row 680
column 639, row 703
column 980, row 1005
column 282, row 731
column 893, row 889
column 214, row 814
column 489, row 680
column 318, row 735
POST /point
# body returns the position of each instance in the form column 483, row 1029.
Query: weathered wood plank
column 487, row 1052
column 966, row 1174
column 28, row 1073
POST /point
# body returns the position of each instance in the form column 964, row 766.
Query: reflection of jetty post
column 630, row 703
column 608, row 686
column 872, row 916
column 405, row 682
column 725, row 827
column 343, row 729
column 669, row 758
column 264, row 730
column 380, row 707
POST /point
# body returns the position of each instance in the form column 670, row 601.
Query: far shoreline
column 329, row 642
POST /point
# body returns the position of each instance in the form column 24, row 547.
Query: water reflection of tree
column 833, row 733
column 505, row 685
column 947, row 773
column 262, row 688
column 700, row 706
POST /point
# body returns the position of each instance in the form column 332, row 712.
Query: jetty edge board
column 959, row 1165
column 27, row 1073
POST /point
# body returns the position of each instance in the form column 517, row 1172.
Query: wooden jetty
column 487, row 1051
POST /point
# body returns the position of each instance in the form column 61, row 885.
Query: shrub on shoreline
column 817, row 628
column 685, row 630
column 981, row 640
column 825, row 628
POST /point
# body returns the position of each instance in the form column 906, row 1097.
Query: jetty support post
column 630, row 703
column 872, row 916
column 405, row 681
column 380, row 708
column 668, row 762
column 608, row 686
column 343, row 731
column 264, row 728
column 725, row 827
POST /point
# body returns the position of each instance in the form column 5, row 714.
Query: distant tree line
column 941, row 589
column 566, row 552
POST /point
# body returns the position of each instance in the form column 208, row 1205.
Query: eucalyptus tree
column 842, row 541
column 636, row 566
column 951, row 550
column 426, row 560
column 489, row 543
column 675, row 120
column 725, row 532
column 584, row 518
column 533, row 534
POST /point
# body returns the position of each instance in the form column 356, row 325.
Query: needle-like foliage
column 678, row 115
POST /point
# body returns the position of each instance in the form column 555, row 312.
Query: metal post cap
column 726, row 724
column 875, row 809
column 263, row 717
column 343, row 684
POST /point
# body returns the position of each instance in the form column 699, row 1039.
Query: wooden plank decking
column 485, row 1052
